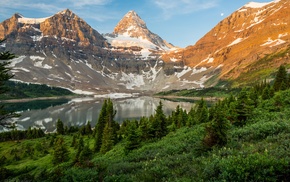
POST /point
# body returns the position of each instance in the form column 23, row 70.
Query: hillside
column 257, row 151
column 240, row 45
column 241, row 138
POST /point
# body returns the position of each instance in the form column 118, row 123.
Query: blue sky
column 180, row 22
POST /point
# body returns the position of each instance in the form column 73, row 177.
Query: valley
column 127, row 105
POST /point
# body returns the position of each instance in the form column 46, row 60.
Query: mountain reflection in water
column 76, row 112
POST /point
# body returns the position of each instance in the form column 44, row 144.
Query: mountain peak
column 131, row 13
column 130, row 22
column 67, row 12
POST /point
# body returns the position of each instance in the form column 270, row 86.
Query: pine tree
column 74, row 141
column 85, row 154
column 108, row 139
column 244, row 108
column 144, row 128
column 59, row 127
column 60, row 153
column 80, row 147
column 88, row 128
column 100, row 127
column 281, row 79
column 4, row 77
column 159, row 124
column 202, row 112
column 216, row 130
column 133, row 138
column 266, row 93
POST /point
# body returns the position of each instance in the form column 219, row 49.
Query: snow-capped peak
column 259, row 5
column 130, row 23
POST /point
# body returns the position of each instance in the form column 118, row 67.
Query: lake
column 76, row 112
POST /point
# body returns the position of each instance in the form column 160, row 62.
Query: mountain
column 131, row 32
column 246, row 46
column 64, row 51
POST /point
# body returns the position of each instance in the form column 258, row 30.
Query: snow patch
column 37, row 58
column 15, row 61
column 183, row 72
column 20, row 68
column 132, row 80
column 31, row 20
column 259, row 5
column 273, row 42
column 173, row 59
column 36, row 38
column 282, row 35
column 238, row 40
column 196, row 71
column 210, row 60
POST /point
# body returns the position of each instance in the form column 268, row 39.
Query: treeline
column 16, row 135
column 204, row 92
column 17, row 90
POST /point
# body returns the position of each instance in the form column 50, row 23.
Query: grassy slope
column 264, row 68
column 257, row 151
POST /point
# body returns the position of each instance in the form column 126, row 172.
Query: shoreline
column 37, row 98
column 190, row 98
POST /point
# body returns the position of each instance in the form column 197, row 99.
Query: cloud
column 82, row 3
column 174, row 7
column 41, row 6
column 93, row 9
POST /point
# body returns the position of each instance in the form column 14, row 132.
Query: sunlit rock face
column 237, row 43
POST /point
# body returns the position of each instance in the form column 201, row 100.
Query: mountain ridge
column 77, row 57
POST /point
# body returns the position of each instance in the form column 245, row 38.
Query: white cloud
column 92, row 9
column 174, row 7
column 88, row 2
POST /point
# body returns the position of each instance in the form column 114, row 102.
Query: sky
column 180, row 22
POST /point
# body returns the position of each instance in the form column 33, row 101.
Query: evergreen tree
column 60, row 153
column 88, row 128
column 4, row 77
column 85, row 154
column 266, row 93
column 159, row 124
column 74, row 141
column 244, row 108
column 280, row 82
column 80, row 147
column 108, row 139
column 100, row 127
column 133, row 138
column 216, row 130
column 202, row 112
column 59, row 127
column 145, row 129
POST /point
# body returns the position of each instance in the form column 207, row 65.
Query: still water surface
column 76, row 112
